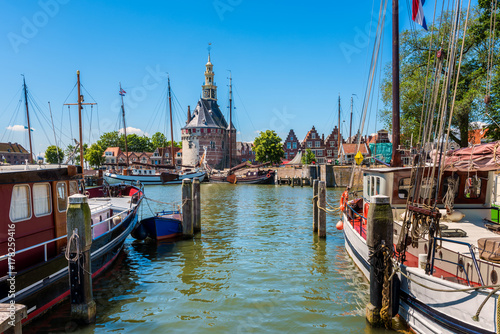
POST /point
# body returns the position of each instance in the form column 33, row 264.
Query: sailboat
column 445, row 251
column 259, row 176
column 34, row 237
column 154, row 174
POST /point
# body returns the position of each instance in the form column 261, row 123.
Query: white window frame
column 35, row 199
column 29, row 204
column 57, row 193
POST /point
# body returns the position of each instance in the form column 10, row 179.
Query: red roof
column 351, row 148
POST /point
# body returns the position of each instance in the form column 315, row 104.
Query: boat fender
column 455, row 216
column 395, row 294
column 139, row 232
column 343, row 200
column 116, row 220
column 340, row 225
column 365, row 211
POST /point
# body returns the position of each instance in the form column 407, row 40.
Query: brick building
column 291, row 145
column 332, row 146
column 316, row 143
column 13, row 153
column 208, row 128
column 244, row 152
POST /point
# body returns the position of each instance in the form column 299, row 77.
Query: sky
column 289, row 61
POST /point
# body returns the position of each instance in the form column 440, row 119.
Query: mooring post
column 78, row 221
column 196, row 206
column 292, row 183
column 310, row 181
column 379, row 237
column 187, row 208
column 321, row 209
column 315, row 206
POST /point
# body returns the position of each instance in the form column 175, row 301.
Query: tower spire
column 209, row 88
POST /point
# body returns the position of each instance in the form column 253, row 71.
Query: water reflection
column 256, row 266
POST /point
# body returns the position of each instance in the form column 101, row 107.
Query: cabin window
column 73, row 188
column 404, row 188
column 372, row 186
column 472, row 187
column 20, row 204
column 377, row 186
column 41, row 199
column 62, row 196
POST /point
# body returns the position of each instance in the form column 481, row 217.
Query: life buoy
column 268, row 174
column 343, row 200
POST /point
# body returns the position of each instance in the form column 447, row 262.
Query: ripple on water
column 255, row 267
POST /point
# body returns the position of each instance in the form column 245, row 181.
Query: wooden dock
column 11, row 316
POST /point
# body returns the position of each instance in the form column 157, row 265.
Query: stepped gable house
column 332, row 146
column 316, row 143
column 291, row 145
column 207, row 128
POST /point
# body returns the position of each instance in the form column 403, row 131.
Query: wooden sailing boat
column 33, row 208
column 448, row 272
column 155, row 174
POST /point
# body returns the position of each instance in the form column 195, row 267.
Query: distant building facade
column 13, row 153
column 291, row 145
column 332, row 146
column 244, row 152
column 316, row 144
column 208, row 128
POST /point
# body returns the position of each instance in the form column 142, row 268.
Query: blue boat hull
column 162, row 227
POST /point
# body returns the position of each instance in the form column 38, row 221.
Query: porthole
column 494, row 277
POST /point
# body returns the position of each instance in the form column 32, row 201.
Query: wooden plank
column 5, row 320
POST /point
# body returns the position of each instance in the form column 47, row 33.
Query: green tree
column 76, row 158
column 308, row 157
column 268, row 147
column 54, row 155
column 158, row 140
column 137, row 143
column 111, row 139
column 94, row 155
column 472, row 82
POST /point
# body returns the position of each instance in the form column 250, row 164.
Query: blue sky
column 289, row 61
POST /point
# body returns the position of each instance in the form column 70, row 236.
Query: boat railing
column 108, row 222
column 45, row 243
column 473, row 257
column 361, row 228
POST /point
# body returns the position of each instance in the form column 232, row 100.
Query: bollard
column 321, row 209
column 315, row 205
column 379, row 232
column 83, row 307
column 196, row 206
column 187, row 208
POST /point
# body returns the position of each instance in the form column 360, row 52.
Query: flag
column 418, row 13
column 122, row 92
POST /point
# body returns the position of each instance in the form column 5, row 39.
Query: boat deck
column 115, row 203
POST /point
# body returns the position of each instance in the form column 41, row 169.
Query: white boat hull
column 426, row 310
column 113, row 178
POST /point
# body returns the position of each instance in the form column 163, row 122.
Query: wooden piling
column 292, row 182
column 315, row 206
column 11, row 315
column 83, row 307
column 196, row 206
column 321, row 209
column 310, row 181
column 379, row 235
column 187, row 209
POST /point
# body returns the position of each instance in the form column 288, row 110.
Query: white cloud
column 17, row 128
column 131, row 130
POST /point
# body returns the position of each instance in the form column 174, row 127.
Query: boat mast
column 124, row 126
column 396, row 156
column 350, row 124
column 28, row 117
column 230, row 117
column 340, row 138
column 171, row 125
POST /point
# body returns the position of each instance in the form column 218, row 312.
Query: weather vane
column 209, row 47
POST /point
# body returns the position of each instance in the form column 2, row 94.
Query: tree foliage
column 268, row 147
column 94, row 155
column 469, row 107
column 158, row 140
column 308, row 157
column 54, row 155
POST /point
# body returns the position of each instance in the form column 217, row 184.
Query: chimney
column 189, row 115
column 323, row 137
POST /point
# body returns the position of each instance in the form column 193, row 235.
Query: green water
column 256, row 267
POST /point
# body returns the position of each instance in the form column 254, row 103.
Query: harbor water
column 255, row 267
